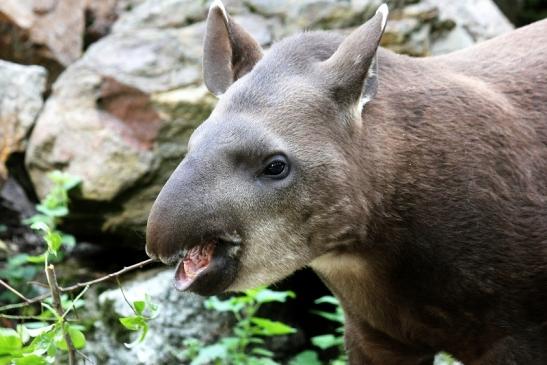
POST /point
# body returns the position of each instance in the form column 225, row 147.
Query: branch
column 56, row 296
column 37, row 318
column 107, row 277
column 77, row 286
column 14, row 291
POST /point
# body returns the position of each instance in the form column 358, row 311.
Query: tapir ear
column 352, row 71
column 229, row 51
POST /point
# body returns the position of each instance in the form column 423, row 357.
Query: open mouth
column 193, row 263
column 207, row 268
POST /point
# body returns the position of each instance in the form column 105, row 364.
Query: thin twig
column 56, row 296
column 14, row 291
column 38, row 318
column 86, row 358
column 77, row 286
column 38, row 283
column 109, row 276
column 124, row 297
column 37, row 299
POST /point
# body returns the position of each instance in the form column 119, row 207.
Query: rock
column 108, row 122
column 100, row 15
column 322, row 14
column 21, row 89
column 181, row 316
column 481, row 18
column 473, row 21
column 46, row 32
column 269, row 8
column 457, row 38
column 162, row 14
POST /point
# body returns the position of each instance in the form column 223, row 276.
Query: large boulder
column 45, row 32
column 120, row 116
column 21, row 89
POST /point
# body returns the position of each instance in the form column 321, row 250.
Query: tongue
column 196, row 260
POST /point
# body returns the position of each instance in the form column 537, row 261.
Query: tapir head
column 266, row 185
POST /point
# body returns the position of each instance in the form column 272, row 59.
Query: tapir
column 416, row 188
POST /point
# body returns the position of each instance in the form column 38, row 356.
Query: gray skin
column 415, row 188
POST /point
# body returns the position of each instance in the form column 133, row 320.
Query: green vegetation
column 246, row 344
column 53, row 331
column 335, row 340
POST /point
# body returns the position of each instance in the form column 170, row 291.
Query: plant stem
column 14, row 291
column 37, row 318
column 56, row 296
column 77, row 286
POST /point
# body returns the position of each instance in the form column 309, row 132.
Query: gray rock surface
column 43, row 32
column 21, row 89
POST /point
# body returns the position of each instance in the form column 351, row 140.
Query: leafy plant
column 329, row 340
column 443, row 358
column 52, row 332
column 246, row 344
column 144, row 310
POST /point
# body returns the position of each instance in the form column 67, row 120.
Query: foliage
column 326, row 341
column 144, row 310
column 246, row 344
column 445, row 359
column 53, row 332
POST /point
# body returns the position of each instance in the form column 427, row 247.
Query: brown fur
column 455, row 257
column 426, row 216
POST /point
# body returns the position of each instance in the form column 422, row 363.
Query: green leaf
column 262, row 352
column 55, row 211
column 51, row 310
column 271, row 328
column 327, row 341
column 139, row 306
column 152, row 307
column 39, row 218
column 40, row 259
column 210, row 353
column 64, row 179
column 133, row 323
column 229, row 305
column 328, row 299
column 335, row 317
column 40, row 226
column 53, row 240
column 10, row 341
column 251, row 360
column 266, row 295
column 44, row 340
column 306, row 358
column 77, row 337
column 31, row 359
column 68, row 240
column 37, row 328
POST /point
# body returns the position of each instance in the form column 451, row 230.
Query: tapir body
column 415, row 188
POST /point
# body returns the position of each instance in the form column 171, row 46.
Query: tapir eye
column 277, row 167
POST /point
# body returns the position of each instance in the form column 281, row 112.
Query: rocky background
column 111, row 90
